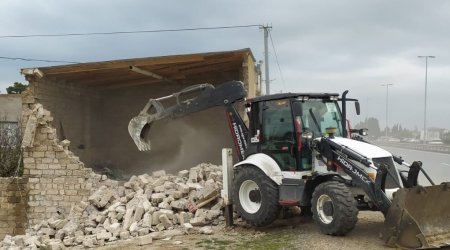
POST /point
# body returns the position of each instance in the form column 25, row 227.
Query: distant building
column 431, row 135
column 10, row 113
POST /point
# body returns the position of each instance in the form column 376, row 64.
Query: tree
column 17, row 88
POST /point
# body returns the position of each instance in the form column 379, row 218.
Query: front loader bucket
column 419, row 218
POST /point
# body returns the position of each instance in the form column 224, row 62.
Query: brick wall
column 13, row 203
column 56, row 177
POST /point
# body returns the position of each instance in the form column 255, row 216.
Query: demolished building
column 75, row 117
column 92, row 104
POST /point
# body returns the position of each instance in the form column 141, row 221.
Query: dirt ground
column 293, row 233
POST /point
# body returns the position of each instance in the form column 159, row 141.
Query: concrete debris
column 206, row 230
column 148, row 207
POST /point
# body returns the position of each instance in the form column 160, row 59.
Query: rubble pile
column 147, row 206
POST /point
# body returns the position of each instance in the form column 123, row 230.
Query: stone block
column 206, row 230
column 127, row 220
column 159, row 173
column 159, row 182
column 143, row 231
column 143, row 179
column 165, row 221
column 101, row 197
column 50, row 154
column 38, row 154
column 124, row 235
column 70, row 227
column 179, row 205
column 183, row 174
column 69, row 241
column 147, row 220
column 157, row 197
column 159, row 189
column 89, row 242
column 138, row 214
column 194, row 186
column 103, row 235
column 114, row 229
column 169, row 185
column 198, row 221
column 177, row 194
column 164, row 205
column 144, row 240
column 213, row 214
column 188, row 228
column 134, row 227
column 183, row 188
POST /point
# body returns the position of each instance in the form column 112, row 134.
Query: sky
column 321, row 45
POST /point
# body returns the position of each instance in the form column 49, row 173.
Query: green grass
column 278, row 240
column 214, row 243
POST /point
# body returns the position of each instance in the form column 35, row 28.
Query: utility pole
column 387, row 103
column 425, row 105
column 266, row 29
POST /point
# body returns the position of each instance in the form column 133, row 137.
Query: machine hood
column 368, row 150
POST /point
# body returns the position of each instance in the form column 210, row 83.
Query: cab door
column 303, row 153
column 278, row 133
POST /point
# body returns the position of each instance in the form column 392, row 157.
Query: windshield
column 317, row 115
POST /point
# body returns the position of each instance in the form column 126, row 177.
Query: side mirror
column 363, row 131
column 357, row 107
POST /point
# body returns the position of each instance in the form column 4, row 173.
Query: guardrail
column 417, row 146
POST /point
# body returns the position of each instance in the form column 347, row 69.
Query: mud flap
column 419, row 218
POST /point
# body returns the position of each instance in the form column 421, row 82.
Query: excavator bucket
column 419, row 218
column 139, row 126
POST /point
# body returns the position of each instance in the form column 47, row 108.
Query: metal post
column 387, row 104
column 227, row 181
column 425, row 105
column 266, row 57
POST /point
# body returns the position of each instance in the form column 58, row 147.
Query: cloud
column 326, row 46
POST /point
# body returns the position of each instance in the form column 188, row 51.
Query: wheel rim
column 325, row 209
column 250, row 196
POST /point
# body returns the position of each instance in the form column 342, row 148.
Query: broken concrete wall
column 13, row 204
column 70, row 105
column 56, row 177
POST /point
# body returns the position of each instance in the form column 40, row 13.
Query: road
column 437, row 165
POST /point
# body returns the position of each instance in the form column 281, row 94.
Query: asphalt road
column 437, row 165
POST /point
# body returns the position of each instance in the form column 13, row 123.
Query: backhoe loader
column 298, row 150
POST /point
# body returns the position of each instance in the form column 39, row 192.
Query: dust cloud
column 183, row 143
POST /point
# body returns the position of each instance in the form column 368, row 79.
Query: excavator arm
column 205, row 96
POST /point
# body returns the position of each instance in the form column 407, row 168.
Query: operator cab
column 281, row 125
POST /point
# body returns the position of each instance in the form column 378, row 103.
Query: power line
column 130, row 32
column 34, row 60
column 276, row 58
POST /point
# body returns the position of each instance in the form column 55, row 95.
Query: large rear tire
column 255, row 197
column 334, row 208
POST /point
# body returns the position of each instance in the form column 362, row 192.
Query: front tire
column 255, row 196
column 334, row 208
